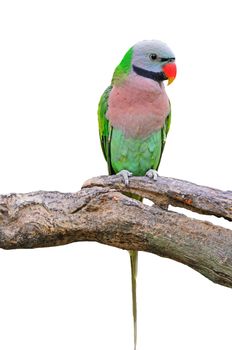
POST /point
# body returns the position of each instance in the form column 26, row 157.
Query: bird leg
column 152, row 174
column 125, row 175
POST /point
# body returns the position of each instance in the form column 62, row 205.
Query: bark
column 102, row 212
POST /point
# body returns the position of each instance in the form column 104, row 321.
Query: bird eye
column 153, row 56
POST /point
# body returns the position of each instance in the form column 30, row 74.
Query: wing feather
column 105, row 128
column 164, row 134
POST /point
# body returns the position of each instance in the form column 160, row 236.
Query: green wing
column 164, row 134
column 105, row 129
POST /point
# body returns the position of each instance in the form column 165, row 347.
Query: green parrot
column 134, row 118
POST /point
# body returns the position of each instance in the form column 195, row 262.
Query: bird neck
column 123, row 69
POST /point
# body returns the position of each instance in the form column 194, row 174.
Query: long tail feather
column 134, row 268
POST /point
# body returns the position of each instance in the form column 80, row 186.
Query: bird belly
column 136, row 155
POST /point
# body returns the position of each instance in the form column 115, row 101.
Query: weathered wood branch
column 179, row 193
column 101, row 212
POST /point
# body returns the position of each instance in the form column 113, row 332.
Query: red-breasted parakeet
column 134, row 117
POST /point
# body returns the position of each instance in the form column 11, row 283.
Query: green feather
column 134, row 269
column 124, row 68
column 135, row 155
column 165, row 131
column 105, row 129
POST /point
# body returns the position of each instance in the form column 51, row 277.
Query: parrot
column 134, row 116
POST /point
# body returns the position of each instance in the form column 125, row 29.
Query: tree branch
column 179, row 193
column 101, row 212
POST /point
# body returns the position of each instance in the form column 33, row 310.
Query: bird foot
column 152, row 174
column 125, row 175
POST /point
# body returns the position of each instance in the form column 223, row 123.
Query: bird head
column 154, row 59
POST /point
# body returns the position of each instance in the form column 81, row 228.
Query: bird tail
column 134, row 269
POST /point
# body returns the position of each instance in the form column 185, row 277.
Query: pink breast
column 138, row 107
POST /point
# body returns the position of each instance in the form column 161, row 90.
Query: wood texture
column 101, row 212
column 179, row 193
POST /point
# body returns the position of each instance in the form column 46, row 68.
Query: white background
column 56, row 59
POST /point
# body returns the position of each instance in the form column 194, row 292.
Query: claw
column 125, row 175
column 152, row 174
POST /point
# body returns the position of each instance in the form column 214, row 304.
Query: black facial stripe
column 170, row 59
column 162, row 59
column 159, row 76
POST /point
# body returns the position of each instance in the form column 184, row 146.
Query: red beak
column 170, row 71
